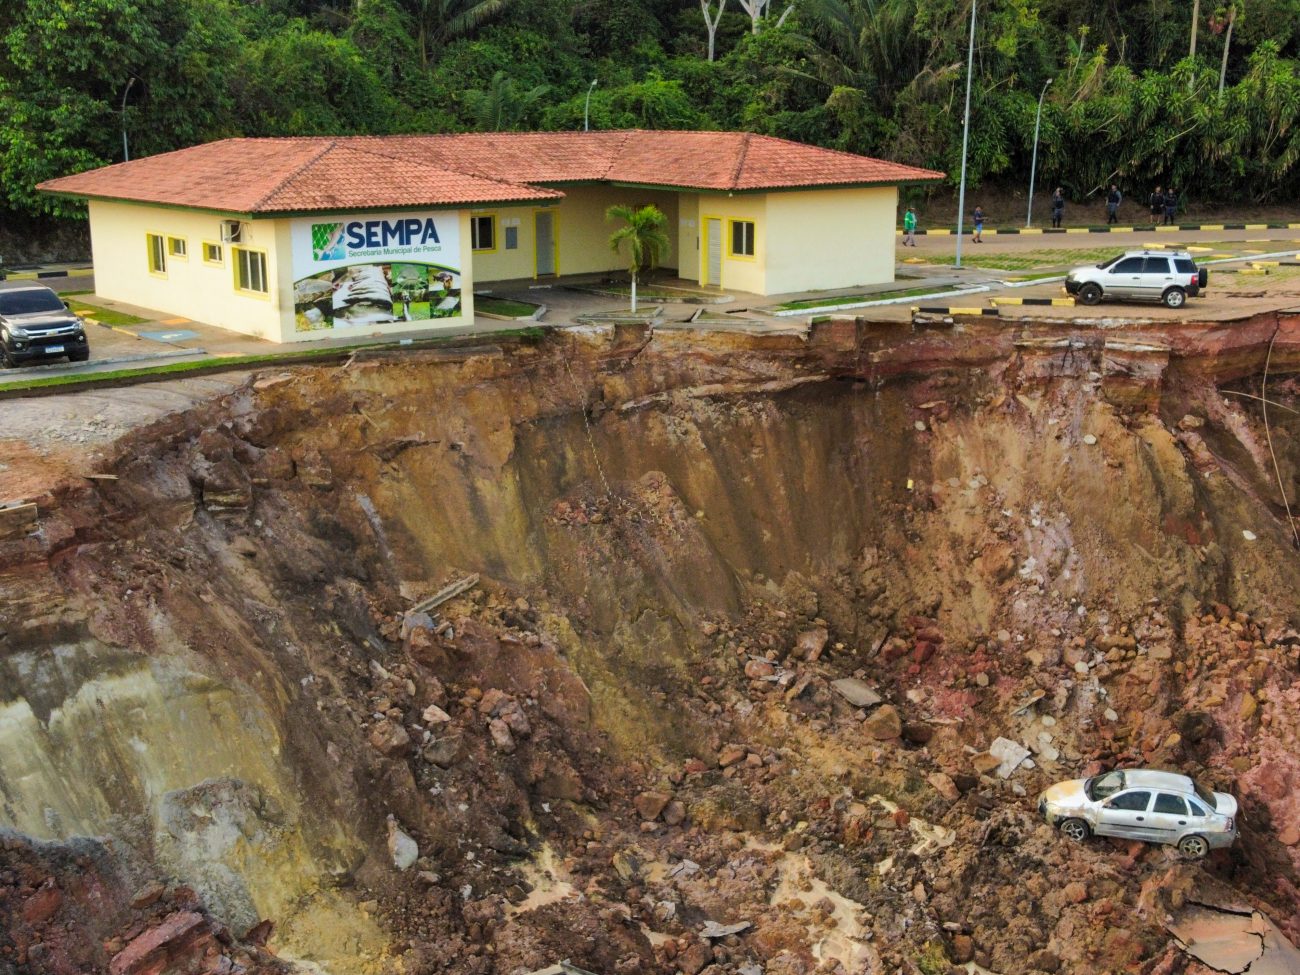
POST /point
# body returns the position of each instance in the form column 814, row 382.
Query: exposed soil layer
column 231, row 740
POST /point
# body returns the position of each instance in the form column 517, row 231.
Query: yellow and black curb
column 949, row 311
column 41, row 275
column 1158, row 228
column 1058, row 302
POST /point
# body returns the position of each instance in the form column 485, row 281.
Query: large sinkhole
column 650, row 658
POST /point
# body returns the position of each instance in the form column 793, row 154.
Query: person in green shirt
column 909, row 227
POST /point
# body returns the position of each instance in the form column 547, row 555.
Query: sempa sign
column 375, row 269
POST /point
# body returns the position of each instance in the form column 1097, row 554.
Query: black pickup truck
column 36, row 325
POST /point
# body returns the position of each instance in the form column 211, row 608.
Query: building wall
column 206, row 292
column 582, row 230
column 739, row 273
column 826, row 239
column 191, row 288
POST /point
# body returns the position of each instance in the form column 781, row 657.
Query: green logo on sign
column 327, row 242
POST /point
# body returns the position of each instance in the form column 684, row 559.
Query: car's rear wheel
column 1193, row 847
column 1174, row 298
column 1090, row 293
column 1075, row 829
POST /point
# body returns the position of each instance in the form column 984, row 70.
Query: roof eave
column 271, row 214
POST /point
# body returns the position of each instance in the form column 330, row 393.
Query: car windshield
column 1206, row 796
column 1105, row 264
column 1101, row 786
column 28, row 302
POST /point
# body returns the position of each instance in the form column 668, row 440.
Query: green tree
column 439, row 22
column 66, row 67
column 503, row 106
column 302, row 81
column 642, row 237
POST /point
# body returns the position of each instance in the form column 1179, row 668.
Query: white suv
column 1170, row 277
column 1143, row 804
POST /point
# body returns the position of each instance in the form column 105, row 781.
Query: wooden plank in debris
column 445, row 593
column 16, row 516
column 100, row 477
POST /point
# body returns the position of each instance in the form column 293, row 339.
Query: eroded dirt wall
column 209, row 670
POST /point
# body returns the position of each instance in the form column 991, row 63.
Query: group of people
column 1163, row 203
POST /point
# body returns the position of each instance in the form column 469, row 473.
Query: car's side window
column 1130, row 265
column 1166, row 803
column 1130, row 801
column 1157, row 265
column 1197, row 808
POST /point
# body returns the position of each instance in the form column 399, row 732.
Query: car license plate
column 53, row 349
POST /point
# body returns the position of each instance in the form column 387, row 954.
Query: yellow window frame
column 731, row 240
column 495, row 232
column 221, row 253
column 158, row 270
column 184, row 252
column 234, row 268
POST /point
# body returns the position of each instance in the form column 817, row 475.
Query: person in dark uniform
column 1157, row 201
column 1113, row 200
column 1171, row 205
column 1058, row 207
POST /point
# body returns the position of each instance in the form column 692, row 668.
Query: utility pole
column 126, row 153
column 965, row 131
column 1033, row 166
column 586, row 109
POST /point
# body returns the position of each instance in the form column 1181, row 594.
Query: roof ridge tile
column 266, row 197
column 740, row 160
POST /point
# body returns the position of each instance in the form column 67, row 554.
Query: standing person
column 1171, row 205
column 1113, row 200
column 1058, row 207
column 1157, row 202
column 978, row 219
column 909, row 227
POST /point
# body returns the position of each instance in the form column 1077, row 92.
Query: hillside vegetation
column 1127, row 100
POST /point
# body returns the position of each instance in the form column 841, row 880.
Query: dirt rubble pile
column 756, row 655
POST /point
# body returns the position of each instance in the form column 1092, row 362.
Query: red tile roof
column 373, row 172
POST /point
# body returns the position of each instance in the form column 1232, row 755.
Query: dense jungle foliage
column 1127, row 99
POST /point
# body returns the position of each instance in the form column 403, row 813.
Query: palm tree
column 503, row 105
column 643, row 232
column 441, row 21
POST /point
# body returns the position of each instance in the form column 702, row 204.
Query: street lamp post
column 965, row 131
column 586, row 110
column 1033, row 165
column 126, row 154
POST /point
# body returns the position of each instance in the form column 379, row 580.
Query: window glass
column 1130, row 265
column 1204, row 794
column 1102, row 786
column 212, row 253
column 482, row 233
column 742, row 238
column 1166, row 803
column 1157, row 265
column 157, row 254
column 29, row 302
column 1131, row 801
column 1184, row 265
column 250, row 270
column 176, row 246
column 1197, row 808
column 512, row 238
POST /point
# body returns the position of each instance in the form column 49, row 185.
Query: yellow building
column 306, row 238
